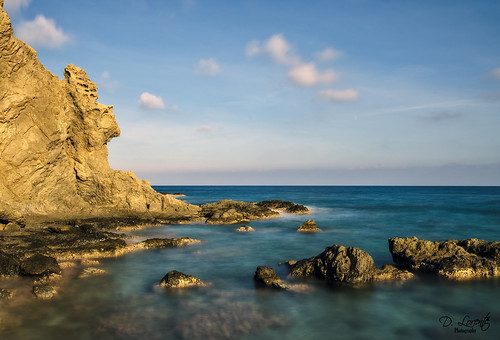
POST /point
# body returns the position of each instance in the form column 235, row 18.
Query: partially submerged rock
column 38, row 265
column 44, row 292
column 91, row 271
column 391, row 273
column 267, row 277
column 450, row 259
column 5, row 294
column 245, row 229
column 337, row 263
column 169, row 242
column 308, row 226
column 285, row 206
column 230, row 212
column 176, row 279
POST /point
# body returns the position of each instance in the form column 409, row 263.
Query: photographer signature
column 467, row 322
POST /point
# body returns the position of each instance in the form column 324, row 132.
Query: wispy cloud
column 338, row 95
column 275, row 47
column 204, row 128
column 308, row 75
column 440, row 116
column 12, row 6
column 495, row 73
column 41, row 32
column 207, row 67
column 329, row 54
column 151, row 102
column 107, row 83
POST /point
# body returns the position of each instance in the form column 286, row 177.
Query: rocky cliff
column 53, row 146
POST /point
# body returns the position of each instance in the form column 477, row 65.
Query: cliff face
column 53, row 145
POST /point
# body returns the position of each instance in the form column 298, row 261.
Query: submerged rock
column 450, row 259
column 337, row 263
column 309, row 226
column 169, row 242
column 285, row 206
column 230, row 212
column 5, row 294
column 245, row 229
column 91, row 271
column 44, row 292
column 9, row 265
column 267, row 277
column 38, row 265
column 176, row 279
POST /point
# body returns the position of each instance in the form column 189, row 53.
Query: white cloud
column 41, row 32
column 308, row 75
column 107, row 83
column 150, row 101
column 495, row 73
column 276, row 47
column 207, row 67
column 329, row 54
column 339, row 95
column 12, row 6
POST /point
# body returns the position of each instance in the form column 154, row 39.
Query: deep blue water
column 125, row 304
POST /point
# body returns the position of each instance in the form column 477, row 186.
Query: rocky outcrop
column 308, row 226
column 38, row 265
column 176, row 279
column 168, row 242
column 450, row 259
column 285, row 206
column 267, row 277
column 53, row 147
column 230, row 212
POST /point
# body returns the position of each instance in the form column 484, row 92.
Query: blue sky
column 295, row 92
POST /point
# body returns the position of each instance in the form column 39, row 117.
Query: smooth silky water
column 127, row 303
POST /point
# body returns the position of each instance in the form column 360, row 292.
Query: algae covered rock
column 169, row 242
column 231, row 212
column 44, row 292
column 38, row 265
column 176, row 279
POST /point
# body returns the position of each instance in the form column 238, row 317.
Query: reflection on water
column 124, row 304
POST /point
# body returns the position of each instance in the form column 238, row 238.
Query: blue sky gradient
column 273, row 92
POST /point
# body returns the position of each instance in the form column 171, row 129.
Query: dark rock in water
column 39, row 265
column 230, row 212
column 5, row 294
column 391, row 273
column 176, row 279
column 44, row 292
column 285, row 206
column 337, row 263
column 9, row 265
column 169, row 242
column 450, row 259
column 308, row 227
column 266, row 276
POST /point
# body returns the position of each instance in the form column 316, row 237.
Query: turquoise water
column 125, row 304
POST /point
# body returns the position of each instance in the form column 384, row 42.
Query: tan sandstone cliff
column 53, row 146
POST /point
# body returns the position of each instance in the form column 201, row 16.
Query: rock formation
column 245, row 229
column 450, row 259
column 53, row 147
column 345, row 265
column 176, row 279
column 230, row 212
column 267, row 277
column 308, row 226
column 285, row 206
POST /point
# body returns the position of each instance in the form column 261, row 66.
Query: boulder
column 38, row 265
column 168, row 242
column 245, row 229
column 285, row 206
column 44, row 292
column 308, row 226
column 450, row 259
column 337, row 263
column 267, row 277
column 176, row 279
column 9, row 265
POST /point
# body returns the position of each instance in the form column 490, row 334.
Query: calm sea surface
column 125, row 304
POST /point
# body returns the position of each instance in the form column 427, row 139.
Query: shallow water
column 126, row 304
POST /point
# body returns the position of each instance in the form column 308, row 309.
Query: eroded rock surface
column 230, row 212
column 53, row 147
column 450, row 259
column 308, row 226
column 169, row 242
column 285, row 206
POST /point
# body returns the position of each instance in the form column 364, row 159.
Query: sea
column 127, row 302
